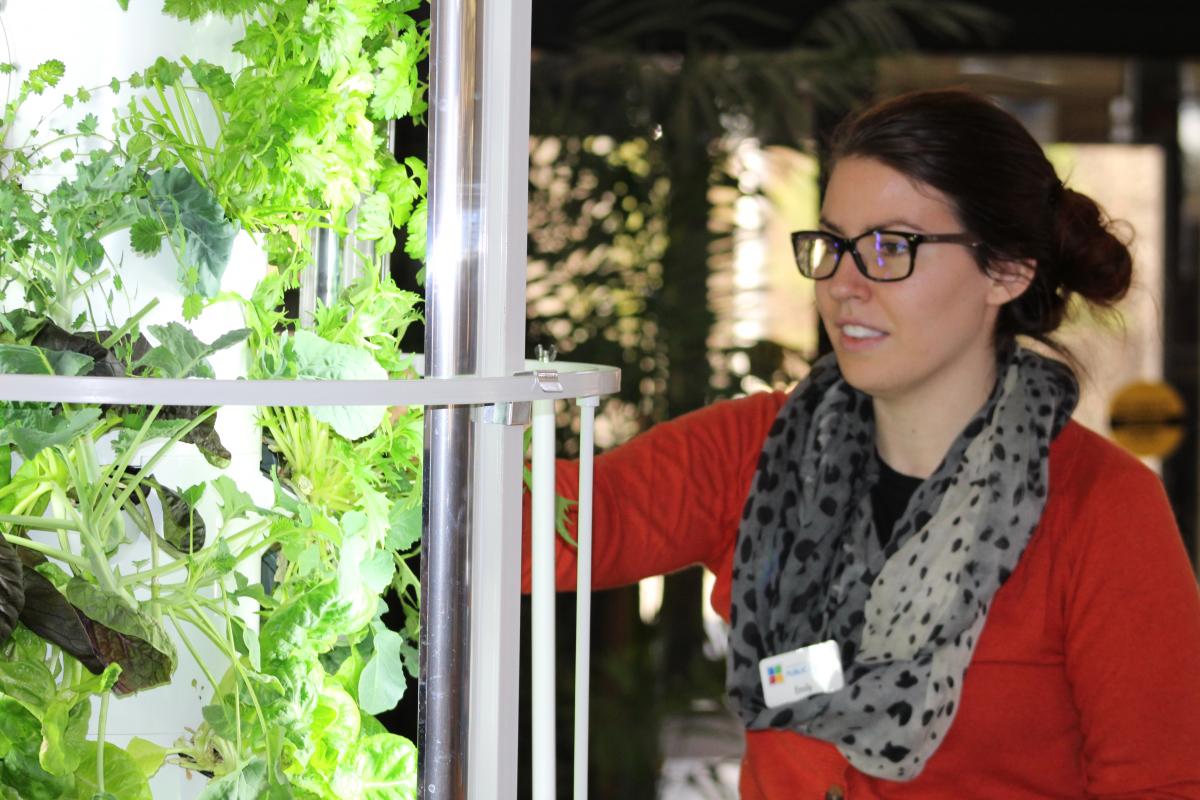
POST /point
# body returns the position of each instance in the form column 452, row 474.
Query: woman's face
column 928, row 337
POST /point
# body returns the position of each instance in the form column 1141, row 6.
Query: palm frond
column 879, row 26
column 698, row 24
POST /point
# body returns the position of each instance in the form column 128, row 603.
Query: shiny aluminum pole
column 451, row 347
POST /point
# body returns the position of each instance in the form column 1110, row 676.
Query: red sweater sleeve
column 1132, row 611
column 670, row 498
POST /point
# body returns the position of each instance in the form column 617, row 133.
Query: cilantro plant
column 294, row 139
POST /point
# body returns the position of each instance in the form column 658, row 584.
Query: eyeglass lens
column 886, row 256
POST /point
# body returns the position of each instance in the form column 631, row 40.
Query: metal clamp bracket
column 545, row 379
column 517, row 413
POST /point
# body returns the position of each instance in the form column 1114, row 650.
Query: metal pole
column 583, row 592
column 499, row 449
column 451, row 348
column 542, row 614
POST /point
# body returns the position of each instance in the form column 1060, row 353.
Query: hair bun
column 1092, row 260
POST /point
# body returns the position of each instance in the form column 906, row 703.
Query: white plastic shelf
column 576, row 380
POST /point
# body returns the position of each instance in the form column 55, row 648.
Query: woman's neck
column 914, row 433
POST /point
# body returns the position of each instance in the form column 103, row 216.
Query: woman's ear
column 1009, row 279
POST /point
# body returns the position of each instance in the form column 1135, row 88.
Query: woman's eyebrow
column 896, row 222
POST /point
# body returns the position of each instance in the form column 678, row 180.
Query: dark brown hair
column 1005, row 192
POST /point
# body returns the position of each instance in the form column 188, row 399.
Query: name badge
column 795, row 675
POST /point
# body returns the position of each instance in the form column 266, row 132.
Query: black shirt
column 890, row 497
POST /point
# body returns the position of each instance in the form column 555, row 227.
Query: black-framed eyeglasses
column 880, row 255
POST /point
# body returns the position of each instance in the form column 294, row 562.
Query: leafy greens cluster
column 293, row 141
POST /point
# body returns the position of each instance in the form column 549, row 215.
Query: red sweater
column 1085, row 682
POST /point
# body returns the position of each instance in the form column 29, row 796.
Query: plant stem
column 47, row 550
column 188, row 563
column 187, row 643
column 116, row 335
column 202, row 623
column 148, row 467
column 101, row 723
column 153, row 573
column 37, row 523
column 118, row 467
column 237, row 687
column 152, row 536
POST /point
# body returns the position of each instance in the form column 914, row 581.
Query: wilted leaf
column 121, row 634
column 183, row 530
column 170, row 420
column 48, row 614
column 12, row 589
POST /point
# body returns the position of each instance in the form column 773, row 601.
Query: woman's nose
column 847, row 282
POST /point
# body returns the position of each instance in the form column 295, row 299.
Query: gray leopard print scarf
column 906, row 617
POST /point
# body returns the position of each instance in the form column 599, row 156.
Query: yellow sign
column 1148, row 419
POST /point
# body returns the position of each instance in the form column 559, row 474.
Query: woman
column 938, row 585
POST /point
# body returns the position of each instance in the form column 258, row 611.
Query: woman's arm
column 670, row 498
column 1133, row 641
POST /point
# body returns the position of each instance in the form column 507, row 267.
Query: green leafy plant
column 301, row 136
column 288, row 593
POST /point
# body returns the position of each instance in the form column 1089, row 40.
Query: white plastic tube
column 583, row 598
column 542, row 580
